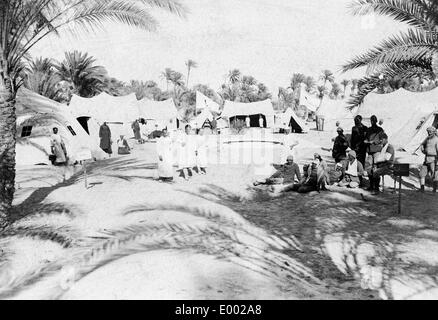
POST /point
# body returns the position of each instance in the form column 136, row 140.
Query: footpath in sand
column 130, row 237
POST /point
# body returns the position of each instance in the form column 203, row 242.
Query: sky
column 268, row 39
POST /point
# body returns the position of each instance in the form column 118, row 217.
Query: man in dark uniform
column 358, row 136
column 374, row 142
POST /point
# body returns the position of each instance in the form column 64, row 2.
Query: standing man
column 58, row 149
column 430, row 165
column 248, row 122
column 105, row 138
column 358, row 136
column 261, row 122
column 340, row 146
column 374, row 142
column 136, row 128
column 214, row 125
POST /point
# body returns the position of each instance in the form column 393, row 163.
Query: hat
column 290, row 157
column 339, row 129
column 431, row 129
column 352, row 153
column 338, row 165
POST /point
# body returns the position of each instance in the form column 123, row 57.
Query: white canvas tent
column 36, row 117
column 405, row 114
column 239, row 109
column 203, row 102
column 336, row 111
column 106, row 108
column 289, row 119
column 161, row 113
column 200, row 120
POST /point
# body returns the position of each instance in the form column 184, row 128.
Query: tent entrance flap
column 295, row 127
column 83, row 121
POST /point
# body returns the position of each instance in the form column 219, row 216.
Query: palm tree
column 336, row 90
column 42, row 78
column 411, row 54
column 321, row 92
column 177, row 80
column 327, row 75
column 190, row 64
column 24, row 23
column 296, row 80
column 249, row 80
column 79, row 70
column 234, row 76
column 345, row 83
column 167, row 75
column 310, row 84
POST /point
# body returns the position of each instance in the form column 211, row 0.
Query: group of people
column 370, row 155
column 191, row 153
column 367, row 154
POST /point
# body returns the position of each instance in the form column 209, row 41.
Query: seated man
column 336, row 174
column 309, row 182
column 284, row 177
column 352, row 172
column 383, row 163
column 323, row 172
column 123, row 146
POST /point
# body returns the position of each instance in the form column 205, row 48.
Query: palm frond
column 410, row 12
column 411, row 46
column 172, row 6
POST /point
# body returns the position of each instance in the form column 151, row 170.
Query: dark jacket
column 339, row 147
column 374, row 136
column 358, row 135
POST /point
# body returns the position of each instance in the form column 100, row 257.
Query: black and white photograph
column 218, row 150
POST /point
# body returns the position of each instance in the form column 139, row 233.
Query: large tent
column 204, row 102
column 106, row 108
column 36, row 117
column 158, row 114
column 309, row 101
column 289, row 119
column 118, row 112
column 405, row 115
column 253, row 110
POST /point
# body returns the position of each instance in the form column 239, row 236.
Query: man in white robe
column 57, row 147
column 165, row 157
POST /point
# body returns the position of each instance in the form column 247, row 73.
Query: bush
column 238, row 126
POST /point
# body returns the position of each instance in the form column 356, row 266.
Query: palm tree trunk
column 7, row 145
column 188, row 75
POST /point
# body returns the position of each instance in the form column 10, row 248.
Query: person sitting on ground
column 430, row 165
column 309, row 181
column 353, row 172
column 123, row 146
column 336, row 174
column 284, row 177
column 383, row 163
column 340, row 146
column 156, row 133
column 323, row 172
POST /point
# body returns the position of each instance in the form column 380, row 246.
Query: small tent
column 203, row 102
column 158, row 114
column 202, row 119
column 289, row 119
column 36, row 118
column 238, row 110
column 309, row 101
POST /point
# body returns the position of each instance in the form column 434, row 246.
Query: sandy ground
column 128, row 236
